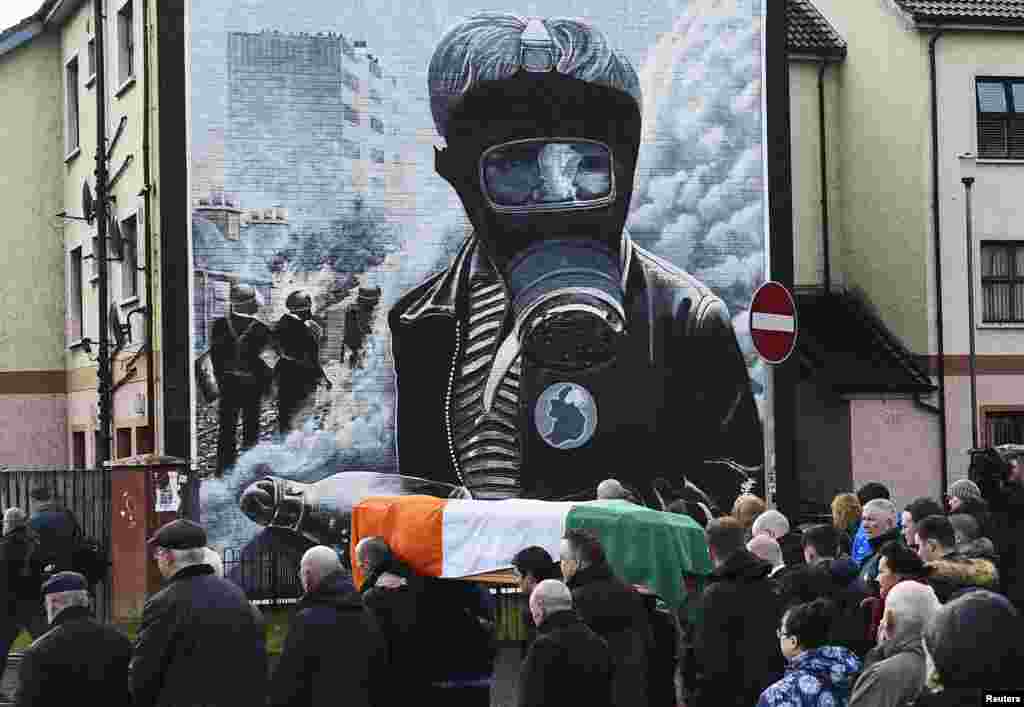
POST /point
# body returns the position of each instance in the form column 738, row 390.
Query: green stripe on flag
column 647, row 547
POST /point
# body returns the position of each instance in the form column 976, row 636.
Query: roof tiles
column 808, row 32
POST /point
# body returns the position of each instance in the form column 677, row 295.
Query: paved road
column 503, row 693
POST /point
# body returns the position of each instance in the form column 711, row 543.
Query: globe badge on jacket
column 565, row 415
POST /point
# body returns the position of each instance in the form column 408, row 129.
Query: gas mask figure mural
column 553, row 350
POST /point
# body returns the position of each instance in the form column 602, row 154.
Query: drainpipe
column 147, row 190
column 827, row 271
column 937, row 244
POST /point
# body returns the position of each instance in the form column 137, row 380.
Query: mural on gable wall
column 508, row 254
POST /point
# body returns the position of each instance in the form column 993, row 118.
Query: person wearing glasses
column 200, row 641
column 816, row 673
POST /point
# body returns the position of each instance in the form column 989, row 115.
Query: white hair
column 611, row 489
column 771, row 522
column 881, row 505
column 551, row 595
column 189, row 557
column 214, row 560
column 913, row 604
column 767, row 548
column 58, row 601
column 321, row 561
column 13, row 518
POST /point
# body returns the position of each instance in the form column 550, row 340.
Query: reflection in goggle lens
column 544, row 172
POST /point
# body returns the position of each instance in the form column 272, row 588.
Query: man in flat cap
column 201, row 641
column 79, row 660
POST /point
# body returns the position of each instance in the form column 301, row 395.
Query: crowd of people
column 919, row 606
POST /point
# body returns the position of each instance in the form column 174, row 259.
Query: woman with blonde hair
column 746, row 509
column 846, row 511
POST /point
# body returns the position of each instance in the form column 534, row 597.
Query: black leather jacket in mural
column 677, row 395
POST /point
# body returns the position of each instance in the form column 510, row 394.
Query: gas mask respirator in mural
column 566, row 289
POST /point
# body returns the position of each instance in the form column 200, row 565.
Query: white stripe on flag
column 772, row 322
column 482, row 536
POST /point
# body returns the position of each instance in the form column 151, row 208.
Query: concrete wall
column 32, row 385
column 884, row 161
column 897, row 443
column 808, row 246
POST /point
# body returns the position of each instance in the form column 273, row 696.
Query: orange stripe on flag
column 411, row 526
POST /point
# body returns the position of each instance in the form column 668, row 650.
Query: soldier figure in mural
column 243, row 377
column 298, row 371
column 553, row 351
column 359, row 323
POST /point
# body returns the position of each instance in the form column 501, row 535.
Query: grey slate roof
column 808, row 32
column 989, row 12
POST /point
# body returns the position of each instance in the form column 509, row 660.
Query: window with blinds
column 1002, row 281
column 1005, row 428
column 1000, row 105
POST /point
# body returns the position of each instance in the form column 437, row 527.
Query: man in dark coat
column 298, row 372
column 568, row 664
column 20, row 599
column 951, row 573
column 334, row 651
column 56, row 528
column 736, row 648
column 236, row 342
column 879, row 522
column 532, row 566
column 200, row 642
column 79, row 660
column 495, row 394
column 1003, row 489
column 614, row 610
column 394, row 595
column 827, row 575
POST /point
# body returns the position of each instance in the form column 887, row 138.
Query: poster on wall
column 484, row 254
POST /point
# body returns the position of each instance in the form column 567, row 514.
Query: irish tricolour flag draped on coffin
column 460, row 538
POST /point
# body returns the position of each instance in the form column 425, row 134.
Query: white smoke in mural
column 700, row 188
column 700, row 196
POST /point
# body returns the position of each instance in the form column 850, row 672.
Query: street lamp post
column 968, row 162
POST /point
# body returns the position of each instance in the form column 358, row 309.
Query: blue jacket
column 861, row 547
column 823, row 676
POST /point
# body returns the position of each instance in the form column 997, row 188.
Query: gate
column 84, row 492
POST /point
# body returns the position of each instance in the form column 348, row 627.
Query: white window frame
column 72, row 149
column 76, row 311
column 133, row 297
column 126, row 54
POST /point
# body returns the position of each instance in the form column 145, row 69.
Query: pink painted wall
column 896, row 443
column 34, row 430
column 1006, row 389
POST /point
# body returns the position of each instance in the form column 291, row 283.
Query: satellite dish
column 121, row 332
column 114, row 236
column 88, row 205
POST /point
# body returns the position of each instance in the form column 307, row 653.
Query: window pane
column 991, row 97
column 1018, row 302
column 1018, row 97
column 1000, row 263
column 991, row 137
column 997, row 302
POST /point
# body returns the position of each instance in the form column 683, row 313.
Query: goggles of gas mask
column 547, row 174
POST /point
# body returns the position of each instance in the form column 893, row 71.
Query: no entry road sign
column 773, row 322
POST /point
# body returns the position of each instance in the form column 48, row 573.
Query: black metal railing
column 268, row 577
